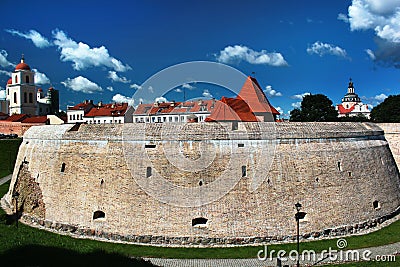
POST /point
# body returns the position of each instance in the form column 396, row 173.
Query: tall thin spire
column 22, row 58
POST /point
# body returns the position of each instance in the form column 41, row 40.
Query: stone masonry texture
column 148, row 183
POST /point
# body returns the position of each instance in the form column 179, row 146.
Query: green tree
column 315, row 108
column 295, row 115
column 387, row 111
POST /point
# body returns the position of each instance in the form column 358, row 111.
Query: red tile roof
column 143, row 109
column 343, row 110
column 108, row 110
column 17, row 117
column 231, row 109
column 251, row 92
column 35, row 119
column 82, row 106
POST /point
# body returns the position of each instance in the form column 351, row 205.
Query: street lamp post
column 299, row 215
column 15, row 196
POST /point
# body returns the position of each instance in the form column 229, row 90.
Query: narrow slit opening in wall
column 339, row 165
column 376, row 204
column 200, row 183
column 235, row 125
column 98, row 214
column 240, row 145
column 350, row 174
column 62, row 167
column 148, row 172
column 200, row 221
column 150, row 146
column 244, row 171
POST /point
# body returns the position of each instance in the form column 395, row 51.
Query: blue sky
column 104, row 50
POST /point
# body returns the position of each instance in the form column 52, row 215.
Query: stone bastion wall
column 206, row 183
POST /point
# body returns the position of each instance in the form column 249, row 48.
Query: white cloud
column 381, row 16
column 380, row 97
column 370, row 54
column 280, row 110
column 118, row 98
column 135, row 86
column 160, row 99
column 178, row 90
column 40, row 78
column 83, row 56
column 151, row 89
column 3, row 59
column 37, row 39
column 243, row 53
column 296, row 104
column 82, row 84
column 272, row 92
column 8, row 73
column 322, row 49
column 115, row 78
column 188, row 86
column 207, row 94
column 2, row 94
column 300, row 96
column 343, row 17
column 110, row 88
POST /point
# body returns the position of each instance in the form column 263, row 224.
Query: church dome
column 22, row 65
column 9, row 81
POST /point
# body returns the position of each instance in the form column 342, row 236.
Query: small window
column 235, row 125
column 150, row 146
column 16, row 79
column 199, row 221
column 240, row 145
column 30, row 98
column 376, row 205
column 98, row 214
column 63, row 167
column 200, row 183
column 25, row 97
column 27, row 79
column 339, row 165
column 244, row 171
column 15, row 97
column 350, row 174
column 148, row 172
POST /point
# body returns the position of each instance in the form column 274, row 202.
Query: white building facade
column 351, row 105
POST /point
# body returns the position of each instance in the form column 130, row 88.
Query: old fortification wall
column 148, row 182
column 392, row 135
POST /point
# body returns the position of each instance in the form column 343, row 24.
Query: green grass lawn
column 8, row 155
column 27, row 246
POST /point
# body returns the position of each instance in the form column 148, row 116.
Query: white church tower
column 21, row 90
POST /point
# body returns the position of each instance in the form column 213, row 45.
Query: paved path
column 374, row 254
column 5, row 179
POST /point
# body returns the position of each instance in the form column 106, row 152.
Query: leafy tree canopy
column 315, row 108
column 387, row 111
